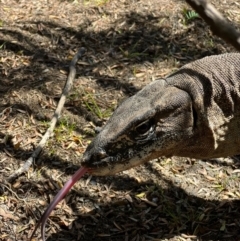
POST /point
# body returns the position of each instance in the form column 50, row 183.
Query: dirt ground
column 129, row 43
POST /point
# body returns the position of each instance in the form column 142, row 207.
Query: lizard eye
column 144, row 128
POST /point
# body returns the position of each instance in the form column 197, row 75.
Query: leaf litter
column 129, row 43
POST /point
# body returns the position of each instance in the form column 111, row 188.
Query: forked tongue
column 61, row 194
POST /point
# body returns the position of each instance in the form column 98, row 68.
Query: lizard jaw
column 103, row 167
column 112, row 164
column 101, row 163
column 108, row 166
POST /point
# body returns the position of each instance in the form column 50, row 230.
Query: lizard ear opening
column 195, row 117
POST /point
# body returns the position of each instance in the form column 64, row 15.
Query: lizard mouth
column 106, row 166
column 113, row 164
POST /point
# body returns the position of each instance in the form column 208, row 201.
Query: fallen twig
column 218, row 24
column 56, row 116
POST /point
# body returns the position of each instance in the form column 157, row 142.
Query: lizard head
column 152, row 123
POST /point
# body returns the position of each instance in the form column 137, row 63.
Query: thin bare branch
column 56, row 116
column 218, row 24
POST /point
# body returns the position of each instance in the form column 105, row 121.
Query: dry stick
column 218, row 24
column 56, row 116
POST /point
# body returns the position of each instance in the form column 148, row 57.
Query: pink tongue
column 61, row 194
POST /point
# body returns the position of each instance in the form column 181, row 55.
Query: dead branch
column 218, row 24
column 56, row 116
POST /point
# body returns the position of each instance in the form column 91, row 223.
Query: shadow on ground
column 174, row 213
